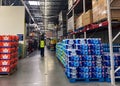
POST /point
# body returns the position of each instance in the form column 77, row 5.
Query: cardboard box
column 95, row 10
column 6, row 62
column 79, row 21
column 88, row 18
column 100, row 10
column 115, row 3
column 6, row 56
column 5, row 69
column 115, row 14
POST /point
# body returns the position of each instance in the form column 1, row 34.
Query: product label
column 4, row 69
column 5, row 44
column 5, row 56
column 6, row 38
column 5, row 50
column 4, row 63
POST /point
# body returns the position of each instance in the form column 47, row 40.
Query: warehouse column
column 84, row 10
column 73, row 24
column 111, row 44
column 0, row 2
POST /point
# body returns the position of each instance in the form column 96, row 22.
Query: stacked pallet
column 88, row 18
column 84, row 19
column 83, row 59
column 79, row 21
column 60, row 53
column 106, row 60
column 8, row 53
column 100, row 10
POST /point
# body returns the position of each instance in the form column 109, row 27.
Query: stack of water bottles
column 106, row 59
column 83, row 58
column 60, row 53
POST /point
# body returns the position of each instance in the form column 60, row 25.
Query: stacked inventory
column 8, row 53
column 83, row 58
column 100, row 10
column 106, row 59
column 60, row 53
column 88, row 18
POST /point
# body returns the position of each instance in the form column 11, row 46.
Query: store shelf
column 89, row 27
column 108, row 22
column 118, row 77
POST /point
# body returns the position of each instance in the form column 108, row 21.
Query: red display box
column 7, row 44
column 5, row 69
column 9, row 38
column 7, row 56
column 15, row 59
column 6, row 62
column 7, row 50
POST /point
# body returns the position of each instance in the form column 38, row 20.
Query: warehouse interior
column 81, row 42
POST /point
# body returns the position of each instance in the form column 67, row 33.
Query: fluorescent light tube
column 34, row 2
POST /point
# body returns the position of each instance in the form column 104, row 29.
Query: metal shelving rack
column 108, row 23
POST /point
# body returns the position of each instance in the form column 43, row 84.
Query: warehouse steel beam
column 111, row 1
column 114, row 8
column 117, row 69
column 73, row 13
column 28, row 10
column 110, row 43
column 84, row 10
column 116, row 36
column 0, row 2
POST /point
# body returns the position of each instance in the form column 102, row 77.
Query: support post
column 84, row 10
column 27, row 10
column 111, row 44
column 73, row 13
column 73, row 24
column 116, row 36
column 44, row 15
column 0, row 2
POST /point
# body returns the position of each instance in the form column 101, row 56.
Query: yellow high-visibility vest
column 42, row 44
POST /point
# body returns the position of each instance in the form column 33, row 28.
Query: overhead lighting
column 34, row 2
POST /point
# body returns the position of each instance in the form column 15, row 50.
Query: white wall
column 12, row 20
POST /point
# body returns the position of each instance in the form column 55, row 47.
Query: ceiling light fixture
column 34, row 2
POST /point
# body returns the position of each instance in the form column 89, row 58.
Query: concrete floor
column 34, row 71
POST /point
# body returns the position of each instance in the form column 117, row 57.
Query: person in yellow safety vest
column 42, row 45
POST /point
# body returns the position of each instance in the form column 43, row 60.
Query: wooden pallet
column 116, row 19
column 105, row 19
column 86, row 80
column 74, row 80
column 99, row 21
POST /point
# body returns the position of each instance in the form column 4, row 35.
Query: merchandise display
column 82, row 58
column 8, row 53
column 106, row 60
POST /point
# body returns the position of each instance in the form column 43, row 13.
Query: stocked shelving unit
column 82, row 6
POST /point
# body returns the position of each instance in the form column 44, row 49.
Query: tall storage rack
column 81, row 6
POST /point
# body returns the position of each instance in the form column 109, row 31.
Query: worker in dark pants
column 42, row 45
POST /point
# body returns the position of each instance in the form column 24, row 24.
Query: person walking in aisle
column 42, row 45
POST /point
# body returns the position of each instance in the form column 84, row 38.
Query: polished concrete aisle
column 34, row 71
